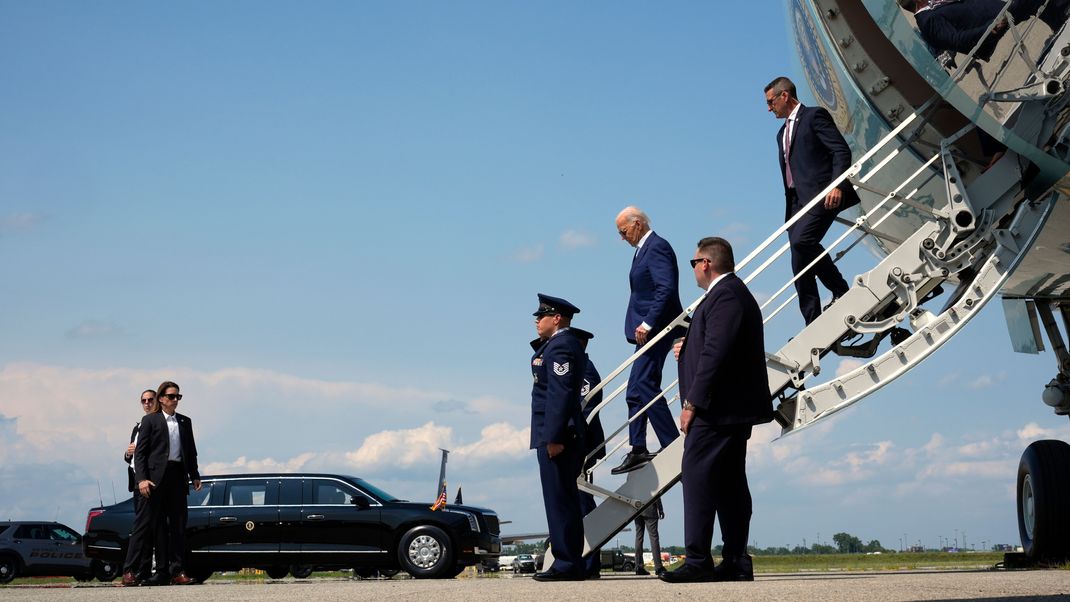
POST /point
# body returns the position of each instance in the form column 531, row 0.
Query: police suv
column 29, row 549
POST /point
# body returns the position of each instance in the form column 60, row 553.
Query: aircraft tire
column 1043, row 500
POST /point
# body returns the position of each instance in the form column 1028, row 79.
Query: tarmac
column 1025, row 585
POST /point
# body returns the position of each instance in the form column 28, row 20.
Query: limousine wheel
column 277, row 572
column 301, row 571
column 199, row 575
column 105, row 571
column 425, row 552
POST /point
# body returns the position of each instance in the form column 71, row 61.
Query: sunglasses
column 172, row 396
column 148, row 400
column 695, row 262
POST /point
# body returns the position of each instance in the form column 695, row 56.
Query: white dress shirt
column 174, row 454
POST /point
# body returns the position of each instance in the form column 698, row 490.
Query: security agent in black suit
column 557, row 433
column 958, row 25
column 725, row 391
column 812, row 154
column 165, row 461
column 148, row 405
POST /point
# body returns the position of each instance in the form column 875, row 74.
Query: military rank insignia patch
column 586, row 388
column 561, row 369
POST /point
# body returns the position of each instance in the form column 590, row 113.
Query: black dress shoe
column 157, row 579
column 593, row 575
column 659, row 571
column 632, row 461
column 642, row 572
column 557, row 576
column 735, row 569
column 688, row 573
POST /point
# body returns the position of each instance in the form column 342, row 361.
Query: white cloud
column 19, row 222
column 847, row 365
column 400, row 448
column 92, row 329
column 528, row 254
column 571, row 239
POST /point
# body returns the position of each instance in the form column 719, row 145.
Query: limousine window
column 247, row 493
column 372, row 489
column 199, row 498
column 329, row 492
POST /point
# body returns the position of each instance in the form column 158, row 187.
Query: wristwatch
column 687, row 405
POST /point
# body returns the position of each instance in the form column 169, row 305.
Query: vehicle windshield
column 372, row 489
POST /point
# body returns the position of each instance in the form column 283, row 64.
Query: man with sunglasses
column 812, row 153
column 148, row 406
column 724, row 391
column 165, row 462
column 654, row 302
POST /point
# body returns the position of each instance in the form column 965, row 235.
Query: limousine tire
column 105, row 571
column 277, row 572
column 301, row 571
column 199, row 575
column 425, row 552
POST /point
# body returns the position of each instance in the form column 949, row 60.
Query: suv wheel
column 9, row 568
column 425, row 552
column 105, row 571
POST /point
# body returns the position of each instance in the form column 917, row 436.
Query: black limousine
column 275, row 521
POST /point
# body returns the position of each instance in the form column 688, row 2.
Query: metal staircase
column 970, row 244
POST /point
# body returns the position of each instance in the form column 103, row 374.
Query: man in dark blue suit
column 557, row 432
column 653, row 304
column 725, row 391
column 958, row 25
column 812, row 154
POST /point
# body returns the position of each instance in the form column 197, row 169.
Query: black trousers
column 561, row 498
column 805, row 236
column 162, row 521
column 714, row 480
column 155, row 545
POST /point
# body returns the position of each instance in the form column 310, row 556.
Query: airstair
column 967, row 245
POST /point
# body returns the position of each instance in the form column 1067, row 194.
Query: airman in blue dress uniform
column 593, row 438
column 557, row 432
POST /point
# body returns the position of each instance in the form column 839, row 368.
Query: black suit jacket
column 722, row 363
column 818, row 154
column 154, row 445
column 130, row 484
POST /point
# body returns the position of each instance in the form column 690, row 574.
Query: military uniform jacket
column 557, row 369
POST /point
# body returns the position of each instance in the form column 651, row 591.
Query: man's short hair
column 782, row 84
column 633, row 213
column 719, row 252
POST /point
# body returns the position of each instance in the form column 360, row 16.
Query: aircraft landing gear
column 1043, row 500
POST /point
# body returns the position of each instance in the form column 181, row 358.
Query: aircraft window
column 247, row 493
column 330, row 492
column 61, row 534
column 199, row 498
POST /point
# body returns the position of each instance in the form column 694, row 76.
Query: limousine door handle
column 228, row 519
column 316, row 517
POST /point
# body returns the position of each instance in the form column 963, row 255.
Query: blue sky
column 328, row 223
